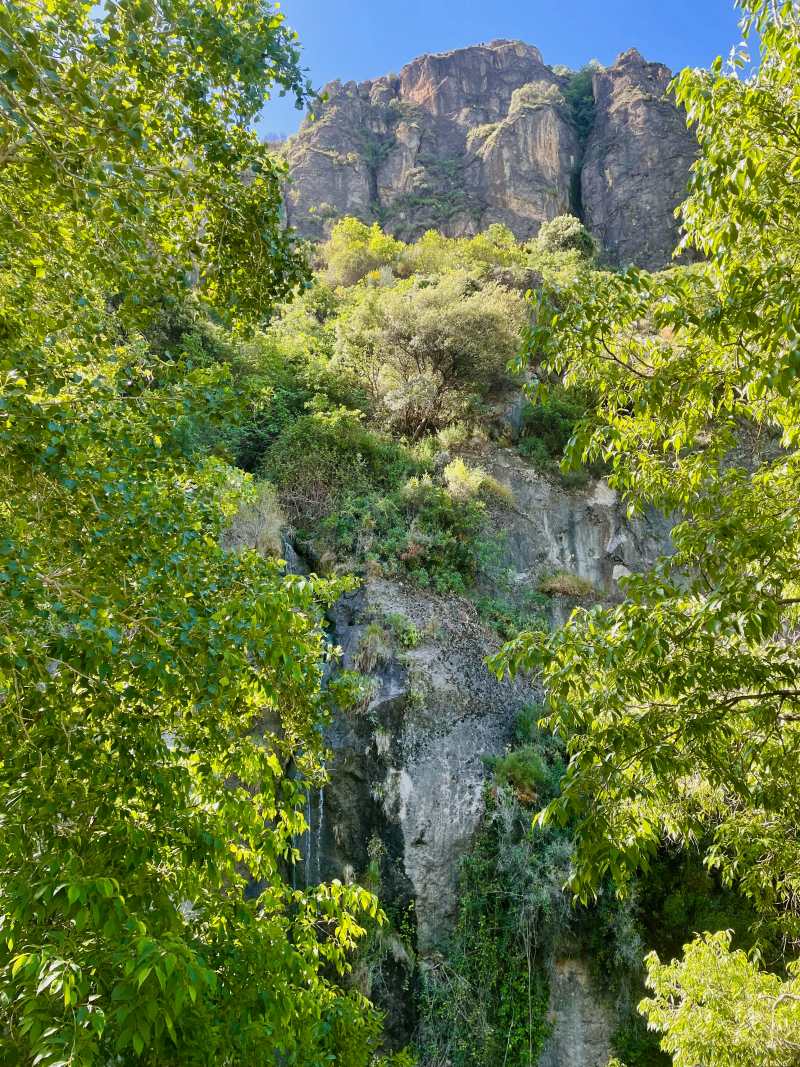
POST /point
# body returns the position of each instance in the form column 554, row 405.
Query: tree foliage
column 426, row 351
column 565, row 232
column 680, row 707
column 160, row 696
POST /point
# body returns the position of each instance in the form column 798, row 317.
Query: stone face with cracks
column 637, row 163
column 407, row 770
column 481, row 135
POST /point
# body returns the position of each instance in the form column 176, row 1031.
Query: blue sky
column 358, row 39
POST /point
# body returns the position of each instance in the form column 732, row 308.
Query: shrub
column 547, row 427
column 508, row 617
column 354, row 249
column 551, row 421
column 352, row 691
column 565, row 233
column 565, row 584
column 463, row 482
column 319, row 459
column 455, row 435
column 426, row 352
column 404, row 630
column 535, row 94
column 524, row 770
column 358, row 495
column 486, row 1000
column 579, row 94
column 435, row 254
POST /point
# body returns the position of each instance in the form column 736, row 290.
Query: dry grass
column 562, row 583
column 258, row 524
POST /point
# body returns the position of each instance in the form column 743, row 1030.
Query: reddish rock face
column 464, row 139
column 636, row 164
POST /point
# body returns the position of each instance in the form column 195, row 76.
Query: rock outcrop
column 408, row 767
column 460, row 140
column 582, row 1021
column 636, row 164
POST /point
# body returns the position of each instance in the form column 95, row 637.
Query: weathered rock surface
column 636, row 164
column 582, row 1022
column 408, row 769
column 481, row 135
column 549, row 529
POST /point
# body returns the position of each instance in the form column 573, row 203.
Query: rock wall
column 582, row 1022
column 485, row 135
column 407, row 769
column 637, row 160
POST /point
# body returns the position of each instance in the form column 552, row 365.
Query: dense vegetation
column 155, row 690
column 160, row 681
column 373, row 396
column 679, row 708
column 178, row 388
column 488, row 997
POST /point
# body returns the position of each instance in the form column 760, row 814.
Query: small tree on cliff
column 566, row 233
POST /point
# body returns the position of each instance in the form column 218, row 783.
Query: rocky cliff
column 408, row 767
column 636, row 163
column 490, row 134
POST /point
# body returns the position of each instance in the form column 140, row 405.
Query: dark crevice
column 579, row 94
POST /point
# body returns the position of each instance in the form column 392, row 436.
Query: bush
column 508, row 617
column 486, row 1000
column 566, row 233
column 354, row 249
column 535, row 94
column 366, row 499
column 547, row 427
column 579, row 94
column 404, row 630
column 373, row 648
column 427, row 352
column 466, row 483
column 320, row 459
column 435, row 254
column 352, row 691
column 524, row 770
column 456, row 435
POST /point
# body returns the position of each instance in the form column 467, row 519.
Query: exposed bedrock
column 407, row 769
column 460, row 140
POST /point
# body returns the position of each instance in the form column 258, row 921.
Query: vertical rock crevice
column 490, row 134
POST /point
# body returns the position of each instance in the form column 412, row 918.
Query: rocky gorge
column 491, row 134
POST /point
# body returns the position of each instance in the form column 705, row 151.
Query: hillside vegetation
column 184, row 387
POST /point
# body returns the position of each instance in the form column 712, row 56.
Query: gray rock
column 482, row 135
column 582, row 1020
column 637, row 161
column 585, row 532
column 407, row 771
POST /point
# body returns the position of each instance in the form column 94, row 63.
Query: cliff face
column 485, row 134
column 636, row 163
column 408, row 769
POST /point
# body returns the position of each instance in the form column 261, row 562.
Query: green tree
column 159, row 696
column 426, row 352
column 565, row 233
column 354, row 249
column 680, row 707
